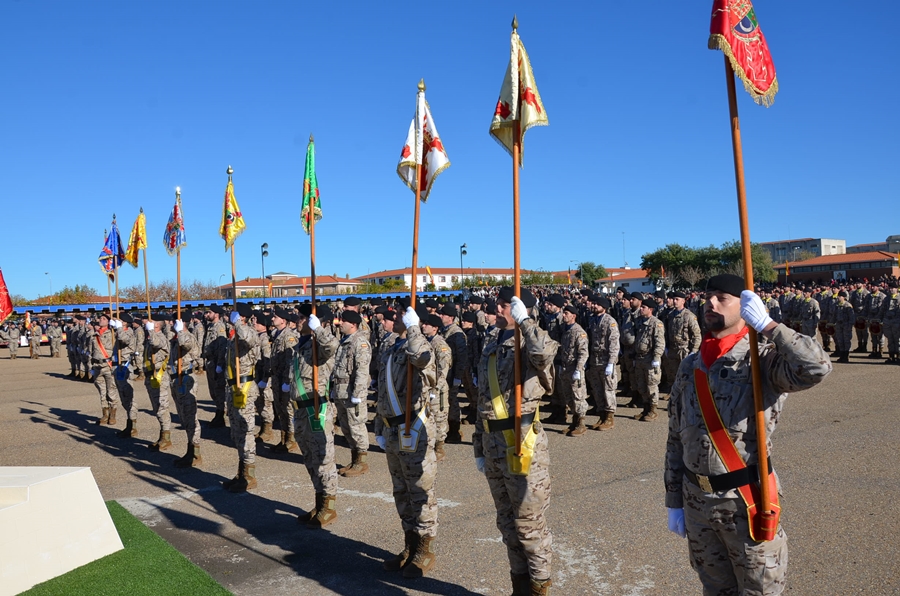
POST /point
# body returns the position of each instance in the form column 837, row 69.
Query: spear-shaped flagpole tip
column 515, row 23
column 311, row 140
column 421, row 85
column 177, row 192
column 229, row 171
column 114, row 217
column 142, row 209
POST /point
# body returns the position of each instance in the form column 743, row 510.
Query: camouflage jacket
column 538, row 352
column 627, row 332
column 650, row 339
column 456, row 339
column 858, row 300
column 890, row 308
column 283, row 343
column 351, row 367
column 774, row 309
column 125, row 343
column 264, row 365
column 791, row 363
column 809, row 311
column 844, row 314
column 873, row 305
column 215, row 344
column 300, row 362
column 156, row 350
column 247, row 341
column 416, row 350
column 573, row 348
column 443, row 360
column 683, row 333
column 185, row 346
column 604, row 333
column 107, row 339
column 140, row 336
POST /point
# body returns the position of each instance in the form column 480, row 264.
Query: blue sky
column 107, row 106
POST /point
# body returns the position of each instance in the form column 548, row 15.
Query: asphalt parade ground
column 834, row 449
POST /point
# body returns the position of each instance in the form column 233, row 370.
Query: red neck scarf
column 713, row 348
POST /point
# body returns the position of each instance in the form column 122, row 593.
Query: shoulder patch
column 291, row 340
column 613, row 324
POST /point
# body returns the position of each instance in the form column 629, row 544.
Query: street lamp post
column 462, row 251
column 50, row 277
column 264, row 253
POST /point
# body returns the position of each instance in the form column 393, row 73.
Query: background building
column 890, row 244
column 864, row 265
column 793, row 250
column 282, row 285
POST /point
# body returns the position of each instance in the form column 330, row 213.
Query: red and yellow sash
column 733, row 461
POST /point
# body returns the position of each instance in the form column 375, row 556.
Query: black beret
column 351, row 316
column 622, row 289
column 292, row 317
column 634, row 296
column 506, row 294
column 604, row 302
column 727, row 283
column 126, row 318
column 390, row 315
column 448, row 310
column 382, row 309
column 281, row 313
column 263, row 319
column 186, row 317
column 556, row 300
column 679, row 295
column 217, row 309
column 660, row 294
column 433, row 320
column 843, row 293
column 470, row 317
column 571, row 309
column 324, row 313
column 244, row 309
column 490, row 307
column 376, row 301
column 352, row 301
column 648, row 302
column 432, row 303
column 476, row 299
column 402, row 304
column 103, row 314
column 305, row 309
column 161, row 316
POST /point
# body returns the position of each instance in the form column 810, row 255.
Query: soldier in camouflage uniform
column 71, row 330
column 198, row 330
column 809, row 313
column 570, row 375
column 873, row 315
column 284, row 339
column 241, row 393
column 603, row 332
column 474, row 345
column 522, row 501
column 102, row 351
column 184, row 347
column 34, row 341
column 85, row 349
column 438, row 405
column 137, row 357
column 827, row 300
column 411, row 460
column 649, row 345
column 350, row 391
column 772, row 306
column 682, row 337
column 714, row 519
column 844, row 316
column 11, row 336
column 213, row 351
column 627, row 337
column 156, row 378
column 125, row 347
column 890, row 317
column 315, row 430
column 264, row 402
column 858, row 300
column 54, row 334
column 552, row 322
column 461, row 374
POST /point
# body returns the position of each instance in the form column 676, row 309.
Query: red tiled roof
column 788, row 241
column 617, row 274
column 467, row 271
column 845, row 259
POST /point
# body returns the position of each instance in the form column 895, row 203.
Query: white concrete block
column 52, row 520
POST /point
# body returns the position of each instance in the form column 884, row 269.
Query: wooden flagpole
column 415, row 258
column 517, row 286
column 237, row 357
column 768, row 515
column 311, row 214
column 116, row 272
column 178, row 275
column 146, row 277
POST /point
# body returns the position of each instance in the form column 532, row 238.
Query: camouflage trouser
column 185, row 394
column 126, row 394
column 283, row 407
column 105, row 383
column 522, row 503
column 353, row 418
column 453, row 413
column 603, row 387
column 243, row 423
column 413, row 475
column 722, row 553
column 264, row 402
column 55, row 345
column 862, row 335
column 84, row 364
column 13, row 347
column 876, row 338
column 626, row 366
column 318, row 450
column 826, row 341
column 216, row 384
column 159, row 399
column 672, row 360
column 574, row 392
column 73, row 358
column 843, row 336
column 809, row 328
column 36, row 346
column 647, row 380
column 438, row 408
column 558, row 398
column 892, row 333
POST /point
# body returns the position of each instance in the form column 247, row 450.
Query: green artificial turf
column 147, row 565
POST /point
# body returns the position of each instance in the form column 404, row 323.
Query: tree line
column 687, row 266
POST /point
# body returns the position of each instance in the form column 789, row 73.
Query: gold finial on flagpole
column 177, row 192
column 421, row 85
column 229, row 171
column 515, row 23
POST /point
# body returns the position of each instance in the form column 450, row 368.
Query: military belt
column 725, row 482
column 242, row 380
column 507, row 423
column 394, row 421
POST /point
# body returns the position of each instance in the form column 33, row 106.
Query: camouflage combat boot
column 325, row 512
column 129, row 431
column 396, row 563
column 357, row 467
column 577, row 427
column 104, row 418
column 648, row 414
column 191, row 458
column 422, row 560
column 247, row 480
column 540, row 588
column 163, row 442
column 265, row 432
column 226, row 484
column 290, row 443
column 605, row 423
column 112, row 417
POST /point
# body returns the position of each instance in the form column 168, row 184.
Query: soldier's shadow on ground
column 343, row 565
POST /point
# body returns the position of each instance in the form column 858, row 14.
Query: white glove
column 234, row 317
column 576, row 376
column 179, row 326
column 261, row 384
column 676, row 520
column 149, row 326
column 355, row 401
column 116, row 323
column 609, row 369
column 314, row 322
column 218, row 370
column 753, row 311
column 285, row 387
column 410, row 318
column 479, row 464
column 382, row 442
column 655, row 364
column 519, row 311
